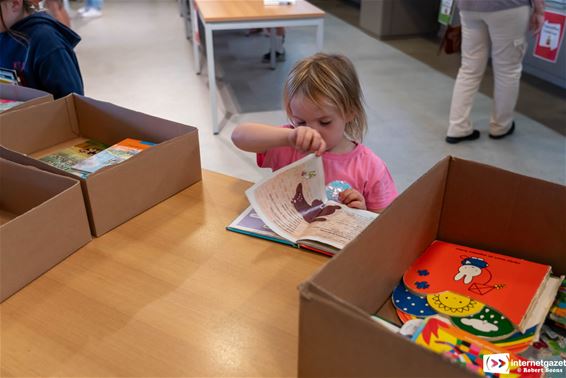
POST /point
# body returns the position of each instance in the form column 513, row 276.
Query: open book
column 293, row 207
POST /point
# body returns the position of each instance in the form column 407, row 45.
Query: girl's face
column 326, row 119
column 12, row 12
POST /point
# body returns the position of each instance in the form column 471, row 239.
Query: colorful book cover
column 6, row 104
column 469, row 351
column 114, row 154
column 460, row 280
column 487, row 323
column 66, row 158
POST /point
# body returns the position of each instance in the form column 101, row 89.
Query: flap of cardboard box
column 43, row 220
column 337, row 340
column 490, row 208
column 23, row 187
column 18, row 93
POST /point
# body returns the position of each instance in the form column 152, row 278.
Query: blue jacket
column 43, row 56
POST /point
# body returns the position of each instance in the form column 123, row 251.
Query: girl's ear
column 349, row 117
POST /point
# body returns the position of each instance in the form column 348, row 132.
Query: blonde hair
column 329, row 79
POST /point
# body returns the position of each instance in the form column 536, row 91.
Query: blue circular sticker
column 334, row 188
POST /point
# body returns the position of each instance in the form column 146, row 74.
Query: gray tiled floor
column 137, row 56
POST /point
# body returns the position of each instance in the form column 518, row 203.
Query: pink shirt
column 361, row 168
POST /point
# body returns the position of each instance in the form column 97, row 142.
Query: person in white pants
column 499, row 26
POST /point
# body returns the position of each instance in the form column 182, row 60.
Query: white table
column 246, row 14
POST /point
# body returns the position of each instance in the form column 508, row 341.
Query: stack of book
column 474, row 353
column 501, row 299
column 557, row 315
column 89, row 156
column 6, row 104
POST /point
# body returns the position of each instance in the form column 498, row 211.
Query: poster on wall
column 550, row 37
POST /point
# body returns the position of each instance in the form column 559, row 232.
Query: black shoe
column 279, row 57
column 509, row 132
column 473, row 136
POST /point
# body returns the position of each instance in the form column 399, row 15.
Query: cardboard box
column 119, row 192
column 18, row 93
column 42, row 221
column 457, row 201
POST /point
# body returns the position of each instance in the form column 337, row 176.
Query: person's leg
column 279, row 49
column 475, row 52
column 507, row 30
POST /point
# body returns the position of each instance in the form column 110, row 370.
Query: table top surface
column 168, row 293
column 254, row 10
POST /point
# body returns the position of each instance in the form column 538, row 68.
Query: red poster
column 550, row 37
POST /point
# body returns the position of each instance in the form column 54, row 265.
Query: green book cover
column 65, row 159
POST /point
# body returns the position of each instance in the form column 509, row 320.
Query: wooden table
column 246, row 14
column 169, row 293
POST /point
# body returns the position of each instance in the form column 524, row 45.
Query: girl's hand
column 352, row 198
column 307, row 139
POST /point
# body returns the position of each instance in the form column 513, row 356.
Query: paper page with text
column 341, row 227
column 293, row 203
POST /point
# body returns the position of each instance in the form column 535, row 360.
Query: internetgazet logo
column 496, row 363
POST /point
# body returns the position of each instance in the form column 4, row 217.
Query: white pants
column 504, row 32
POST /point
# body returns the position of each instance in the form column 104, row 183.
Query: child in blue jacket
column 39, row 49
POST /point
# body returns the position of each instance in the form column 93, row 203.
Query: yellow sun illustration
column 453, row 304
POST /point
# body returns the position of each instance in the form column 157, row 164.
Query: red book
column 459, row 281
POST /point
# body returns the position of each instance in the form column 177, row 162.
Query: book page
column 251, row 224
column 293, row 204
column 340, row 227
column 291, row 198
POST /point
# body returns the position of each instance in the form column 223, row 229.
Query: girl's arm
column 255, row 137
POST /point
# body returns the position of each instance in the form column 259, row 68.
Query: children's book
column 9, row 76
column 67, row 157
column 460, row 281
column 249, row 223
column 114, row 154
column 477, row 355
column 292, row 203
column 6, row 104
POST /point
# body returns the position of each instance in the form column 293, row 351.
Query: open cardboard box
column 42, row 220
column 119, row 192
column 457, row 201
column 30, row 96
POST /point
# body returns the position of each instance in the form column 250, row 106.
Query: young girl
column 39, row 49
column 323, row 100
